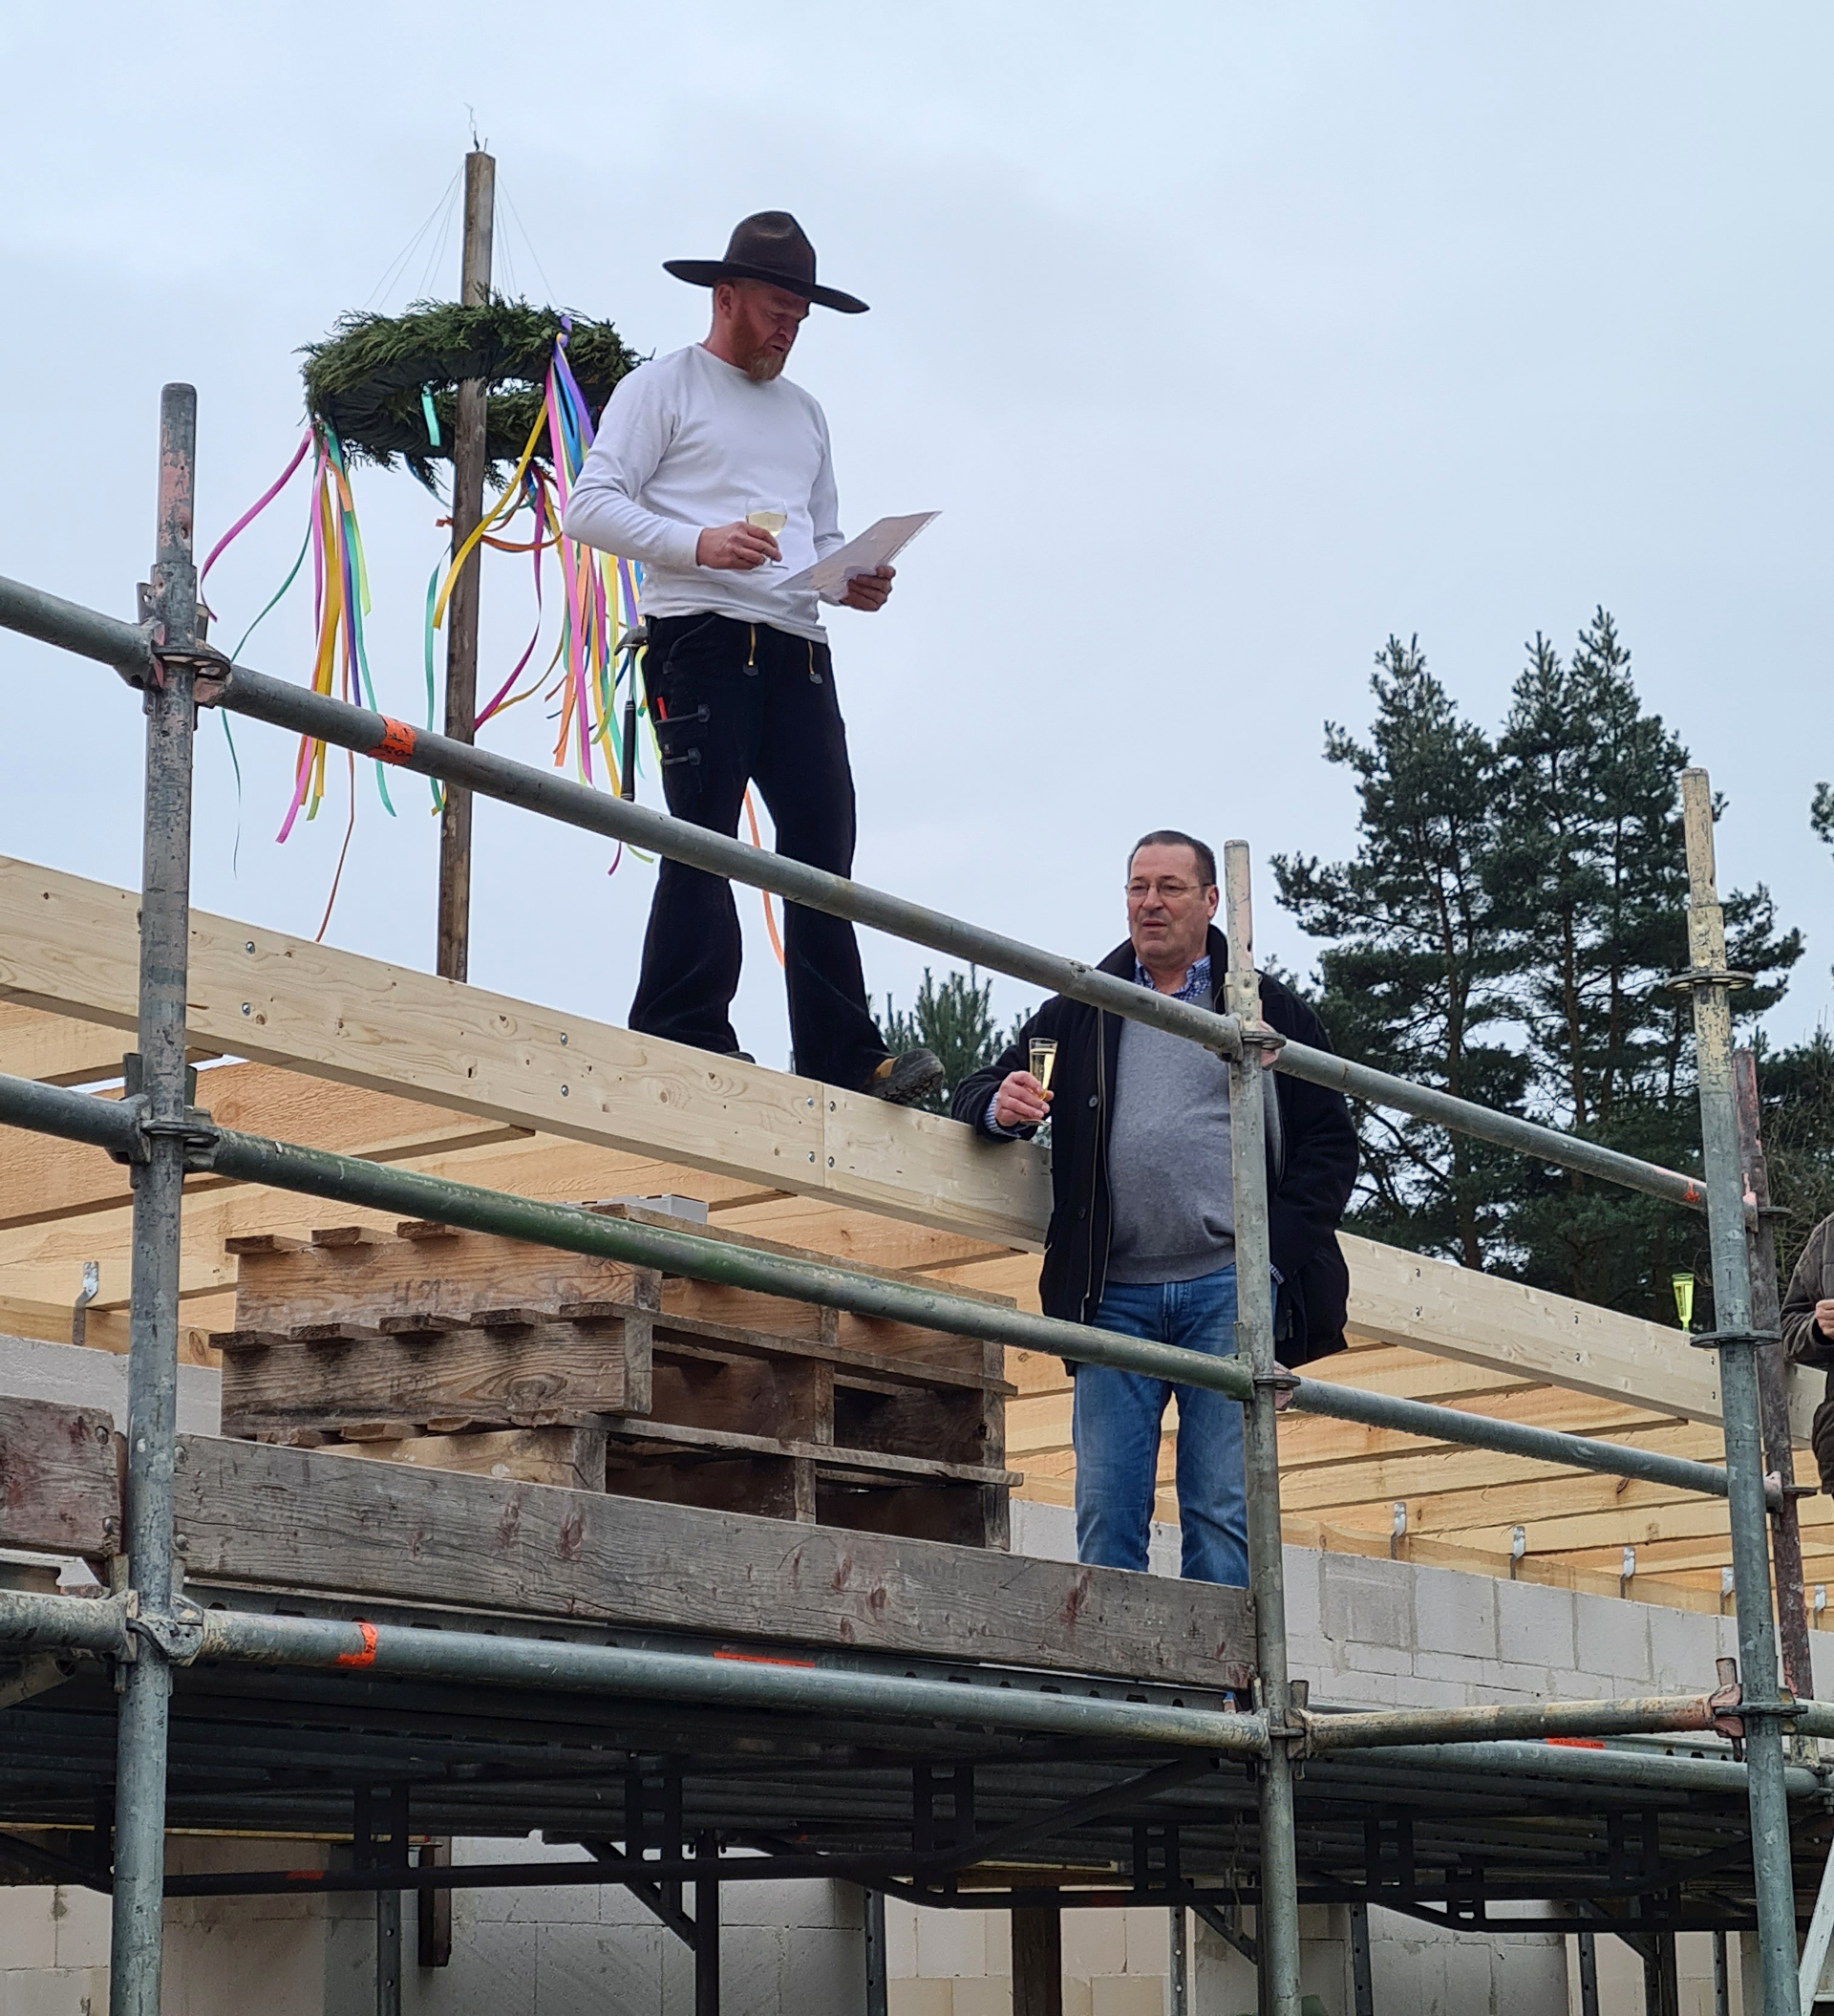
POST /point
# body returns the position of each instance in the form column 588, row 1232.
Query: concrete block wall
column 960, row 1963
column 1415, row 1970
column 786, row 1949
column 1620, row 1975
column 1375, row 1633
column 54, row 1952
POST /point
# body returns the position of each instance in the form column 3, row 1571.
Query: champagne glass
column 769, row 514
column 1044, row 1059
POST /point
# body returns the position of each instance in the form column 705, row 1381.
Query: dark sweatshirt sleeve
column 1321, row 1154
column 975, row 1092
column 1804, row 1344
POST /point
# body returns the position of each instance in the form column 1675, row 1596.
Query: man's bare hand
column 738, row 547
column 868, row 591
column 1021, row 1101
column 1824, row 1320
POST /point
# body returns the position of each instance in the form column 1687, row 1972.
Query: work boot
column 902, row 1081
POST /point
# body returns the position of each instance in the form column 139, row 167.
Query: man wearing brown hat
column 713, row 471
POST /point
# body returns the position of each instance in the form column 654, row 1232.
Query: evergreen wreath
column 374, row 378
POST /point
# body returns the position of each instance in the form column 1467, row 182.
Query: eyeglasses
column 1165, row 891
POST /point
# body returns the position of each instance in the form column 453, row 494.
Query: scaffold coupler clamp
column 210, row 668
column 1265, row 1037
column 176, row 1633
column 1726, row 1701
column 1295, row 1726
column 195, row 1127
column 1251, row 1033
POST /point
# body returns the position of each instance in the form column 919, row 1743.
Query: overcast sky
column 1227, row 339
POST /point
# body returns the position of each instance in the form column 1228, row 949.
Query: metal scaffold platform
column 293, row 1641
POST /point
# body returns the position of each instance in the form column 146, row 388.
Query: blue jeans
column 1115, row 1427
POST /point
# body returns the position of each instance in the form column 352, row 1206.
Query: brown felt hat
column 770, row 246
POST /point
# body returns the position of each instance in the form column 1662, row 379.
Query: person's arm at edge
column 1803, row 1342
column 602, row 511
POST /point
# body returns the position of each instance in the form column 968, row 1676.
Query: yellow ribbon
column 484, row 524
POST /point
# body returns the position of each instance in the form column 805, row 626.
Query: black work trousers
column 734, row 703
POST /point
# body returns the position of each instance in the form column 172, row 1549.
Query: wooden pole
column 461, row 610
column 1038, row 1961
column 1780, row 1455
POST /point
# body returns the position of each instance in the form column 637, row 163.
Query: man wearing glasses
column 1143, row 1230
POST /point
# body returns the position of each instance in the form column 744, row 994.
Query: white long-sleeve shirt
column 690, row 441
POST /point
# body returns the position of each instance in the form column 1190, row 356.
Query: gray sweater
column 1169, row 1161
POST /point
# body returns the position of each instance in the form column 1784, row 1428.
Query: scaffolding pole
column 156, row 1085
column 1711, row 983
column 1277, row 1917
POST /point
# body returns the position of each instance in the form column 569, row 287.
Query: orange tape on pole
column 396, row 746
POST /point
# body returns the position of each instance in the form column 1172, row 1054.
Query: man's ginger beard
column 764, row 365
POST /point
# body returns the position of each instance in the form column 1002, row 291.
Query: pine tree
column 956, row 1021
column 1797, row 1091
column 1590, row 878
column 1506, row 931
column 1414, row 981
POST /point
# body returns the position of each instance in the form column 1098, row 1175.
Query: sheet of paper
column 878, row 545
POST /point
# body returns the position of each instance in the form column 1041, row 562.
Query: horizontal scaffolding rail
column 103, row 1626
column 130, row 649
column 115, row 1125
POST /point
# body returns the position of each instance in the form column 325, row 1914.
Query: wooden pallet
column 456, row 1350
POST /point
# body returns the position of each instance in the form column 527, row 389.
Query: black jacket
column 1310, row 1168
column 1812, row 1280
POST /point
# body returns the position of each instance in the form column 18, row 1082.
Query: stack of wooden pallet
column 468, row 1352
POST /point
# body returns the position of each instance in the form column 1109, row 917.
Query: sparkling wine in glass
column 769, row 515
column 1044, row 1059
